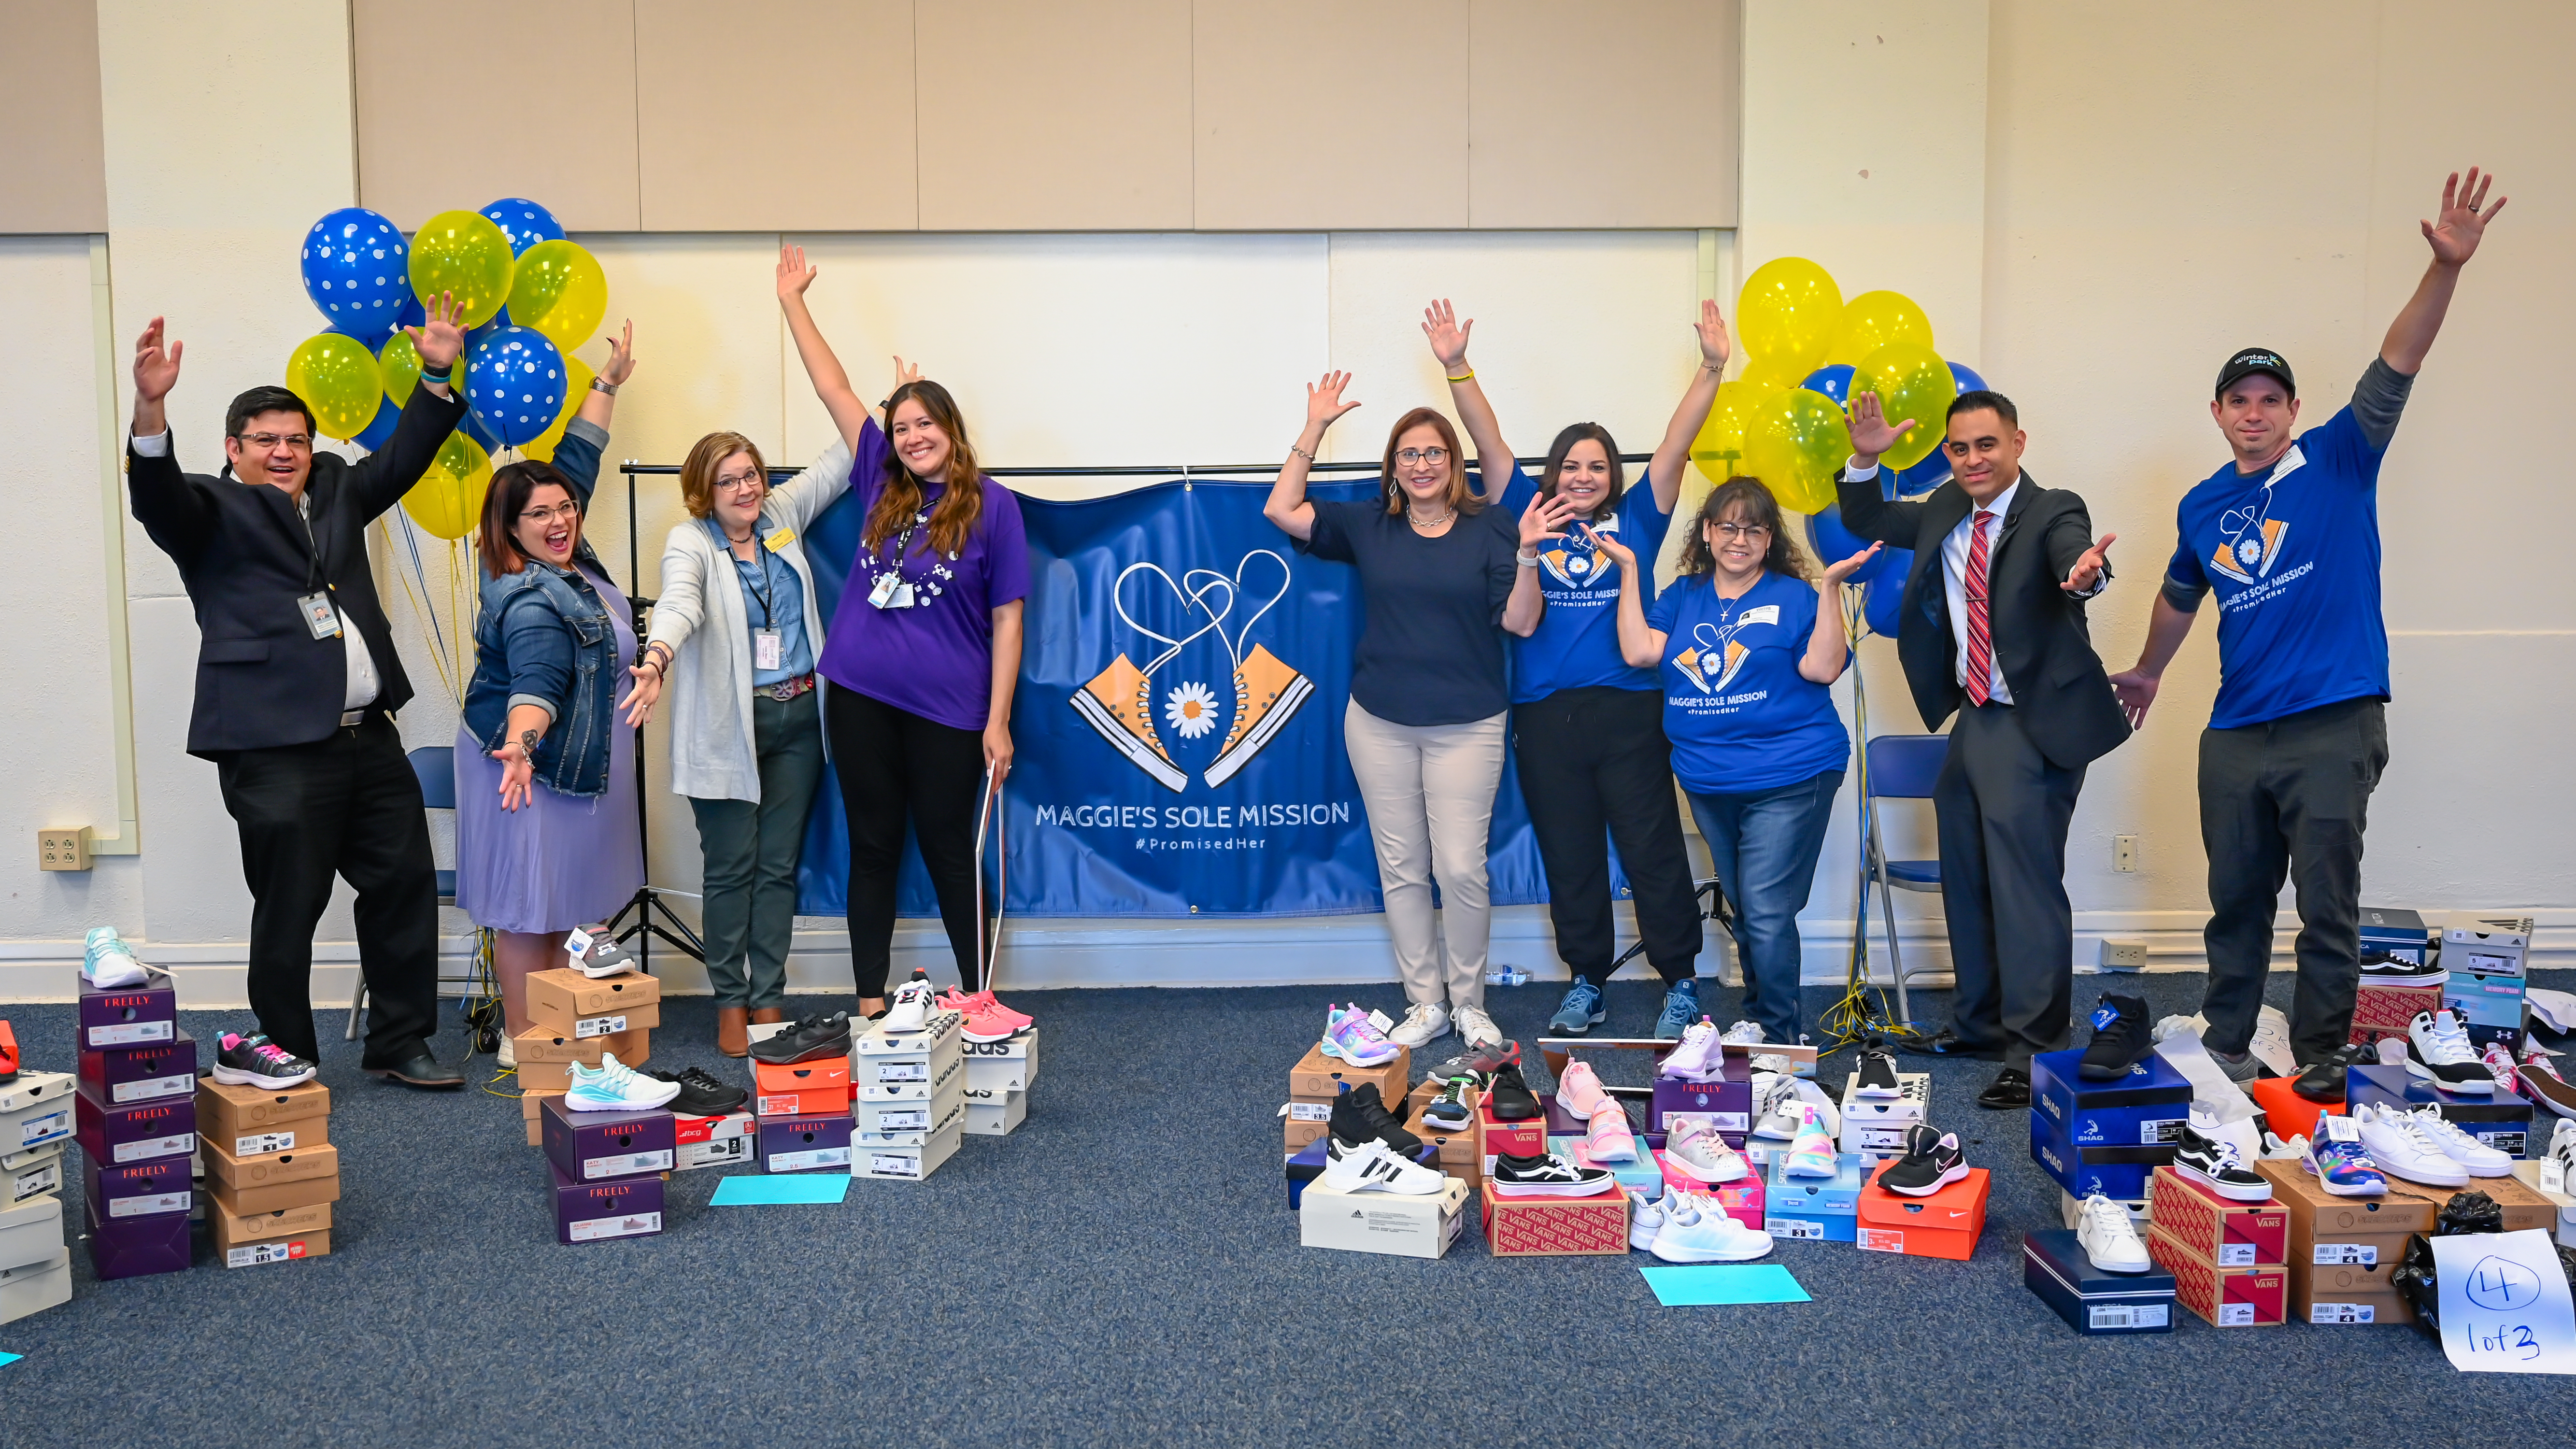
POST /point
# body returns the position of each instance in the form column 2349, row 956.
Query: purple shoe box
column 806, row 1144
column 136, row 1132
column 145, row 1071
column 129, row 1014
column 596, row 1146
column 146, row 1189
column 132, row 1247
column 591, row 1212
column 1729, row 1101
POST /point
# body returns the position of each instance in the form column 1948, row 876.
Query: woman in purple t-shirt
column 923, row 651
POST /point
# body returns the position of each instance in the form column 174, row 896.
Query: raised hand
column 621, row 358
column 2137, row 690
column 441, row 336
column 156, row 368
column 1608, row 543
column 1835, row 573
column 1871, row 433
column 2088, row 566
column 1448, row 335
column 1544, row 519
column 906, row 372
column 2454, row 236
column 794, row 275
column 1324, row 402
column 1715, row 345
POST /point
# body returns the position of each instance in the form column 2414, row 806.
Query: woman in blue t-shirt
column 1748, row 654
column 1587, row 728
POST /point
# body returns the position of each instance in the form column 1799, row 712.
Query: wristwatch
column 609, row 388
column 1525, row 560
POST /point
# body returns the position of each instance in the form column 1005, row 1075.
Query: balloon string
column 420, row 605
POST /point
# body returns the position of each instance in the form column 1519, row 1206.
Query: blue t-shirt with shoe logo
column 1740, row 715
column 1577, row 641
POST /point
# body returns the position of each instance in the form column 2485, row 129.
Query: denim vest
column 543, row 634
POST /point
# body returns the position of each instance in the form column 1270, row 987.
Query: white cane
column 989, row 820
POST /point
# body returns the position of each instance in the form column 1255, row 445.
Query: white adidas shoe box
column 1877, row 1125
column 1382, row 1222
column 909, row 1163
column 994, row 1112
column 908, row 1123
column 912, row 1065
column 1007, row 1066
column 32, row 1173
column 30, row 1231
column 34, row 1287
column 35, row 1110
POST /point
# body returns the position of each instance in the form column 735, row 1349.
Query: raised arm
column 1449, row 344
column 831, row 381
column 1715, row 346
column 1543, row 520
column 174, row 512
column 1866, row 510
column 1640, row 646
column 2454, row 237
column 1288, row 506
column 1829, row 647
column 379, row 480
column 600, row 404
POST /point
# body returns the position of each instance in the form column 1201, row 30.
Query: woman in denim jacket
column 546, row 835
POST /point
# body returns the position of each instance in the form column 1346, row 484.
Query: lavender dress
column 559, row 861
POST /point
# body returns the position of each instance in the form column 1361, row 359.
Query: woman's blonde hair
column 698, row 474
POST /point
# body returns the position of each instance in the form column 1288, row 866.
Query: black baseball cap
column 2253, row 360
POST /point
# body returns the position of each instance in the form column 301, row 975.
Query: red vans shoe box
column 2380, row 1010
column 1317, row 1079
column 1555, row 1227
column 2223, row 1232
column 2226, row 1297
column 2286, row 1112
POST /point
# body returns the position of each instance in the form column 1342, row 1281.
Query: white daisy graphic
column 1190, row 709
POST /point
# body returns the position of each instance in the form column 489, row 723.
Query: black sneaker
column 1510, row 1097
column 2121, row 1039
column 1360, row 1115
column 1931, row 1162
column 700, row 1094
column 1547, row 1175
column 1477, row 1062
column 2323, row 1080
column 2009, row 1089
column 1449, row 1111
column 255, row 1061
column 806, row 1039
column 1877, row 1076
column 2215, row 1164
column 2390, row 970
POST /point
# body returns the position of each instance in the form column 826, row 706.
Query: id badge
column 902, row 596
column 319, row 615
column 767, row 651
column 882, row 596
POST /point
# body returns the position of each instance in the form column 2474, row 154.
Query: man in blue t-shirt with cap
column 2287, row 536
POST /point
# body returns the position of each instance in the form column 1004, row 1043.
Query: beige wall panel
column 1342, row 114
column 772, row 115
column 468, row 101
column 1614, row 113
column 53, row 171
column 1043, row 116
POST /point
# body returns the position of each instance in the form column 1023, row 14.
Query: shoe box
column 2486, row 957
column 803, row 1089
column 2383, row 1009
column 2226, row 1297
column 242, row 1202
column 2400, row 933
column 35, row 1110
column 913, row 1162
column 994, row 1111
column 1729, row 1099
column 1816, row 1209
column 1742, row 1199
column 1876, row 1126
column 2285, row 1112
column 1317, row 1079
column 806, row 1144
column 591, row 1212
column 137, row 1132
column 35, row 1264
column 532, row 1112
column 721, row 1141
column 1642, row 1173
column 2342, row 1249
column 285, row 1225
column 595, row 1146
column 291, row 1249
column 144, row 1071
column 1307, row 1163
column 144, row 1189
column 2536, row 1176
column 912, row 1066
column 1944, row 1224
column 1555, row 1227
column 270, row 1169
column 2524, row 1206
column 567, row 1003
column 1498, row 1138
column 2501, row 1120
column 130, row 1247
column 2141, row 1211
column 253, row 1121
column 30, row 1174
column 546, row 1056
column 126, row 1015
column 1403, row 1225
column 1004, row 1066
column 905, row 1124
column 2118, row 1172
column 2147, row 1108
column 2230, row 1234
column 2094, row 1303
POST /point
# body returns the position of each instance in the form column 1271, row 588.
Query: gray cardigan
column 709, row 698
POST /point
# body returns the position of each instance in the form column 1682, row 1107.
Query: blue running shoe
column 1681, row 1008
column 1579, row 1012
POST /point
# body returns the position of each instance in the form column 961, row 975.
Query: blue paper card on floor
column 7, row 1359
column 1703, row 1285
column 763, row 1191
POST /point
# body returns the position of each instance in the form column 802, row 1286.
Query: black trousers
column 2287, row 800
column 896, row 768
column 347, row 805
column 1594, row 768
column 2003, row 811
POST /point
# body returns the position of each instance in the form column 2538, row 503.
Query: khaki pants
column 1429, row 790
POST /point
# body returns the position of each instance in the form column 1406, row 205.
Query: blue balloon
column 1922, row 478
column 1887, row 591
column 472, row 427
column 515, row 382
column 1834, row 543
column 524, row 222
column 412, row 313
column 357, row 269
column 499, row 320
column 1834, row 382
column 380, row 431
column 1968, row 379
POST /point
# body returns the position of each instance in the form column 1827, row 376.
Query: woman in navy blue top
column 1587, row 727
column 1748, row 651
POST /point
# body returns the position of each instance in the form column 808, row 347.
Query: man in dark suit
column 297, row 682
column 1993, row 630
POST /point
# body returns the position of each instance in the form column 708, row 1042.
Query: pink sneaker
column 984, row 1003
column 1609, row 1138
column 2499, row 1062
column 1579, row 1091
column 982, row 1024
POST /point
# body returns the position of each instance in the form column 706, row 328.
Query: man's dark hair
column 1977, row 398
column 263, row 400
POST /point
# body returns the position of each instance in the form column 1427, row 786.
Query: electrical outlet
column 2119, row 954
column 2124, row 852
column 63, row 849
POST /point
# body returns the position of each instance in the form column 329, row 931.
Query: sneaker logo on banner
column 1120, row 702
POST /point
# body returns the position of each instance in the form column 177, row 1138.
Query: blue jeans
column 1764, row 845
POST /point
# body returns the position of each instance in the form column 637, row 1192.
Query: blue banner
column 1178, row 723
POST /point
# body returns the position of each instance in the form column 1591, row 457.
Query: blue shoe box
column 2094, row 1303
column 2501, row 1120
column 1645, row 1176
column 1818, row 1209
column 2117, row 1171
column 2401, row 934
column 2145, row 1108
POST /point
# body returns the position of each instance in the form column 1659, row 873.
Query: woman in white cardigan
column 737, row 630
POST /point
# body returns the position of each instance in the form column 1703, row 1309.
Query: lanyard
column 903, row 541
column 766, row 591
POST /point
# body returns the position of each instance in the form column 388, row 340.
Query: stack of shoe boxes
column 2343, row 1249
column 607, row 1170
column 271, row 1171
column 2230, row 1259
column 1875, row 1126
column 802, row 1114
column 911, row 1098
column 2484, row 955
column 136, row 1187
column 2499, row 1119
column 2105, row 1137
column 998, row 1074
column 1317, row 1079
column 580, row 1019
column 2383, row 1008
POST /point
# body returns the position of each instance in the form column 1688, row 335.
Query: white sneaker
column 1373, row 1166
column 1776, row 1107
column 2562, row 1147
column 2398, row 1147
column 1696, row 1148
column 2109, row 1239
column 1698, row 1231
column 1743, row 1033
column 909, row 1011
column 1699, row 1056
column 1424, row 1022
column 508, row 1056
column 1645, row 1218
column 106, row 963
column 612, row 1087
column 2438, row 1050
column 1477, row 1027
column 2480, row 1159
column 2294, row 1150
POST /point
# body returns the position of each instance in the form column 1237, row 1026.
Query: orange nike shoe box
column 1555, row 1227
column 2286, row 1112
column 804, row 1089
column 1945, row 1224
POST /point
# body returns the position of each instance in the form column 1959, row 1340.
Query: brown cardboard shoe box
column 540, row 1044
column 566, row 1002
column 295, row 1249
column 241, row 1202
column 1319, row 1078
column 230, row 1231
column 634, row 1047
column 2342, row 1249
column 2523, row 1205
column 250, row 1120
column 270, row 1169
column 1305, row 1134
column 532, row 1102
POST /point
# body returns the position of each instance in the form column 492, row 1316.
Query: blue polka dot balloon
column 357, row 269
column 524, row 222
column 514, row 383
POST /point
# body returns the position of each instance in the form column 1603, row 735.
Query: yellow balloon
column 400, row 362
column 1718, row 451
column 1796, row 445
column 463, row 253
column 560, row 291
column 1775, row 374
column 1787, row 313
column 577, row 375
column 448, row 499
column 1871, row 321
column 336, row 376
column 1912, row 382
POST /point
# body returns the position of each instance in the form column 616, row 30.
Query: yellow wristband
column 1467, row 376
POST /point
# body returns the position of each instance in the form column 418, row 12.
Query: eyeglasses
column 1747, row 531
column 567, row 512
column 300, row 442
column 744, row 481
column 1411, row 457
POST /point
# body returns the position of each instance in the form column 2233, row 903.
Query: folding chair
column 1899, row 767
column 435, row 767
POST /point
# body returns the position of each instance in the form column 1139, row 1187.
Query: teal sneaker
column 1681, row 1008
column 1579, row 1012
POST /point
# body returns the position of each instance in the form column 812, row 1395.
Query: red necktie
column 1981, row 646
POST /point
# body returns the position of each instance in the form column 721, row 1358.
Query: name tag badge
column 891, row 592
column 319, row 615
column 778, row 538
column 768, row 651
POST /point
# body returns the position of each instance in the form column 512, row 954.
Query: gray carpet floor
column 1124, row 1270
